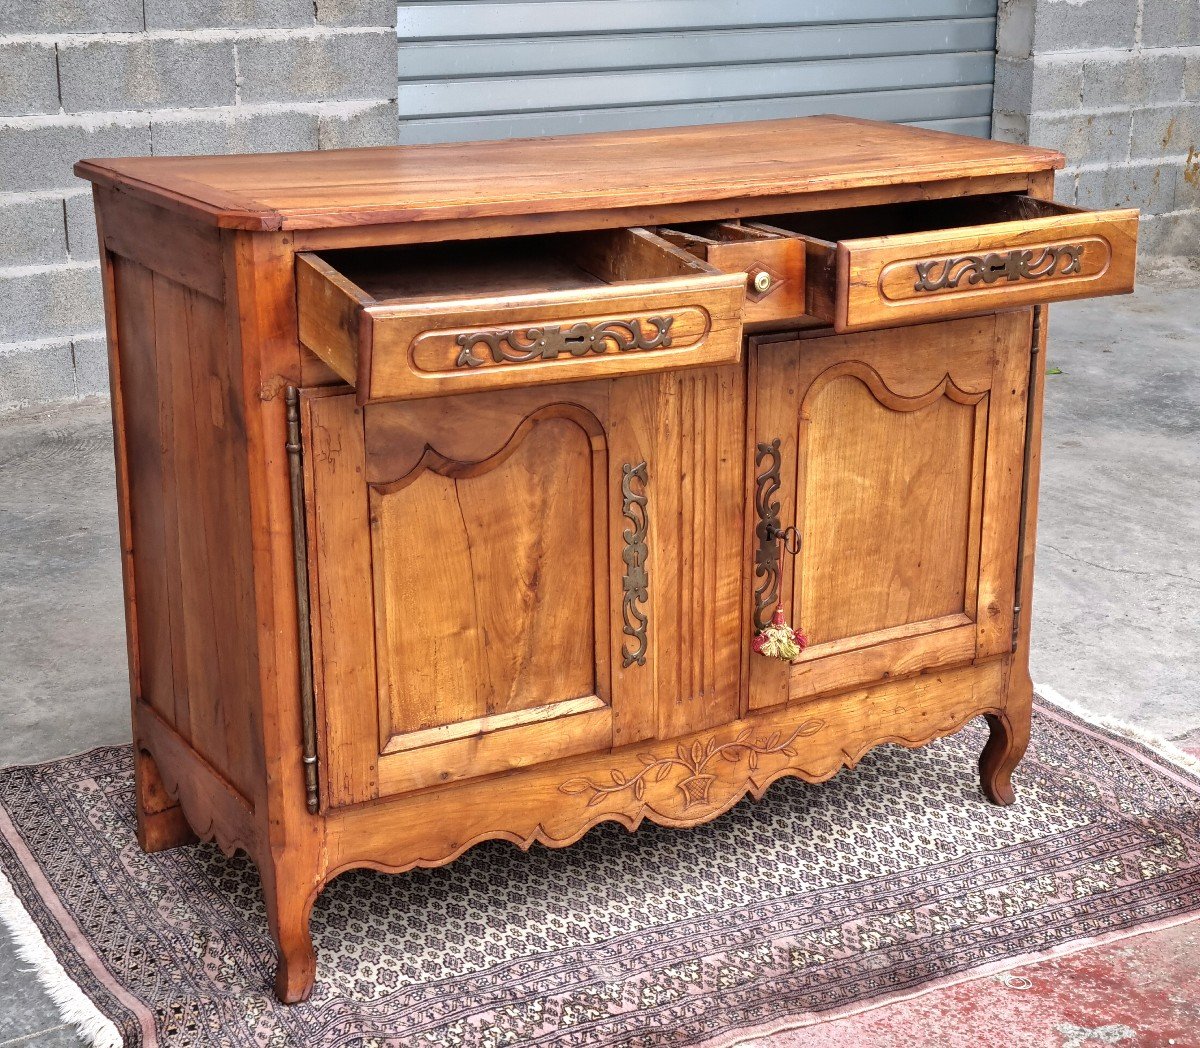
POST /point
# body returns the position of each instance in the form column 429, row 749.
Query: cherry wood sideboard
column 457, row 481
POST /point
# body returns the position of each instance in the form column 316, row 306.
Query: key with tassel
column 778, row 640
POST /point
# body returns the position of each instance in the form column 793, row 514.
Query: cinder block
column 1086, row 138
column 318, row 67
column 1191, row 79
column 81, row 227
column 1014, row 85
column 1177, row 234
column 1170, row 131
column 119, row 75
column 1038, row 85
column 1057, row 83
column 28, row 79
column 1166, row 23
column 377, row 125
column 1014, row 28
column 1010, row 127
column 91, row 366
column 39, row 155
column 1071, row 25
column 1187, row 188
column 1150, row 187
column 218, row 14
column 1065, row 183
column 70, row 16
column 47, row 303
column 229, row 131
column 36, row 374
column 356, row 12
column 32, row 232
column 1138, row 79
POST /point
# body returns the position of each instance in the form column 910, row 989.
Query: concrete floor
column 1117, row 610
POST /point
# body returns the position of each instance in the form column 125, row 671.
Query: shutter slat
column 427, row 60
column 910, row 107
column 710, row 83
column 491, row 18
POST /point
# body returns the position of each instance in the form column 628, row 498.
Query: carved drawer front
column 903, row 263
column 426, row 320
column 505, row 579
column 897, row 456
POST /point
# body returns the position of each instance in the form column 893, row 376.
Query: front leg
column 290, row 889
column 1005, row 747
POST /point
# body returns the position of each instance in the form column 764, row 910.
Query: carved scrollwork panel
column 697, row 763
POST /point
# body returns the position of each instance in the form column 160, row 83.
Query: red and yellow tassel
column 779, row 640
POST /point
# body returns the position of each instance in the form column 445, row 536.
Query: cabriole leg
column 289, row 897
column 1003, row 752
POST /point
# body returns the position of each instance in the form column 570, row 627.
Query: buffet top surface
column 578, row 173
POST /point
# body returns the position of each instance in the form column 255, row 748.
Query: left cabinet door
column 489, row 584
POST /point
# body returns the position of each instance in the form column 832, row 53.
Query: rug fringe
column 1163, row 747
column 74, row 1006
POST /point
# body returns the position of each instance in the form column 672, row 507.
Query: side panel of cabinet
column 515, row 577
column 900, row 462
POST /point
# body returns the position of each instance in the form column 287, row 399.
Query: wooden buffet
column 456, row 481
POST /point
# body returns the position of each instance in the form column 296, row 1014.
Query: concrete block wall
column 1114, row 84
column 138, row 77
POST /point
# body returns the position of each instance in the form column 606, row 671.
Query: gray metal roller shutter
column 515, row 68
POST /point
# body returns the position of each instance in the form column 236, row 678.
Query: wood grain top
column 349, row 187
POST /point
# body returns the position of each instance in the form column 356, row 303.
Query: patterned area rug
column 813, row 902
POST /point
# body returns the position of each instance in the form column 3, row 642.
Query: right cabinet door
column 898, row 457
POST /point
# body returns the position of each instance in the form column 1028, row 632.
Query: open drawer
column 774, row 264
column 877, row 267
column 430, row 319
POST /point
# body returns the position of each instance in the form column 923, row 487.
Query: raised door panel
column 515, row 577
column 471, row 582
column 899, row 460
column 890, row 501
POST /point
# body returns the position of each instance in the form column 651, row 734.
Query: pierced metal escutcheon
column 551, row 341
column 634, row 553
column 940, row 274
column 768, row 532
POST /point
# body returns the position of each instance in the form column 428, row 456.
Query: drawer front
column 774, row 276
column 473, row 345
column 945, row 273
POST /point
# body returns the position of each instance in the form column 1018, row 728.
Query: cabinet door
column 515, row 577
column 899, row 459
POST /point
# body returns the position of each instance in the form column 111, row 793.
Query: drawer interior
column 920, row 216
column 523, row 265
column 700, row 237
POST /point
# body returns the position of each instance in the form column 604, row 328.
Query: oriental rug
column 815, row 902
